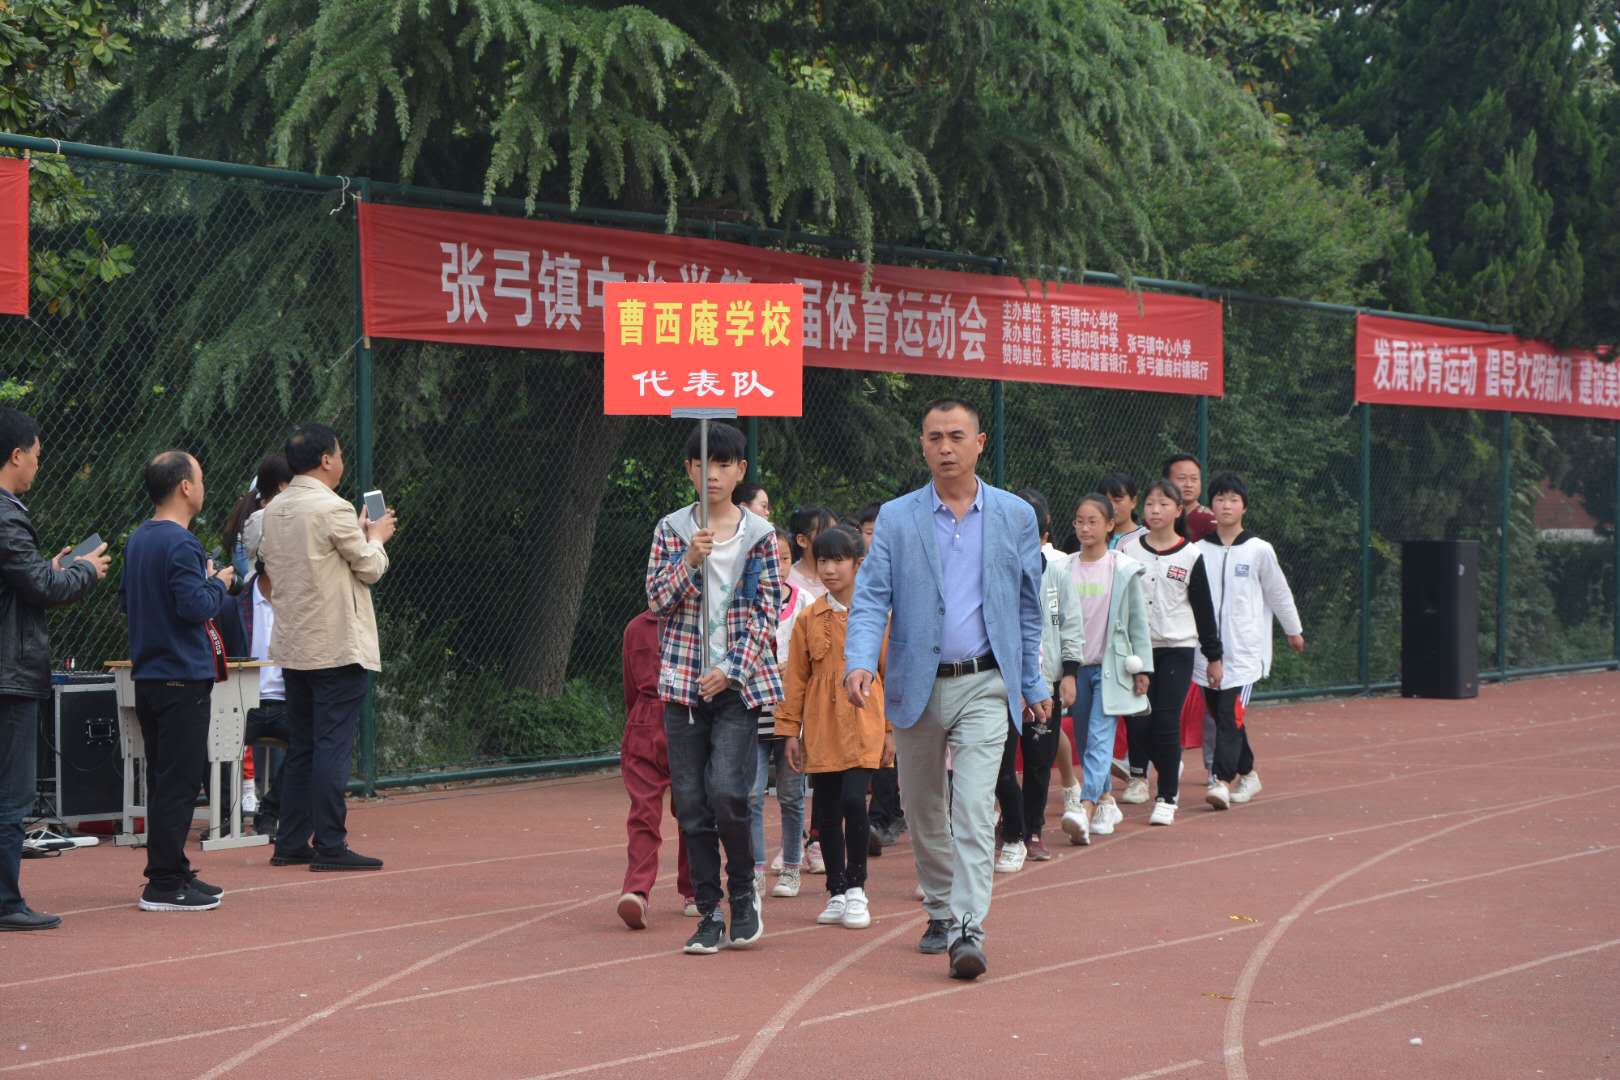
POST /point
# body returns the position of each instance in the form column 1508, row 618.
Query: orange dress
column 837, row 735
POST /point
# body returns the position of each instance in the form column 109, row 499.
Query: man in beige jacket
column 324, row 561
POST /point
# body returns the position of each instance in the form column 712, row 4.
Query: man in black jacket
column 29, row 584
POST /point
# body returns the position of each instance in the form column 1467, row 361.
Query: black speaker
column 1440, row 618
column 86, row 759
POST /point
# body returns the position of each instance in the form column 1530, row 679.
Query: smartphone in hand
column 376, row 508
column 82, row 551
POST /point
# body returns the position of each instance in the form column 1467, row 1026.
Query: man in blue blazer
column 954, row 574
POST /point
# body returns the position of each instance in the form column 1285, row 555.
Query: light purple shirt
column 961, row 562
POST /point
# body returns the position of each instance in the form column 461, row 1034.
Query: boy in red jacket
column 644, row 764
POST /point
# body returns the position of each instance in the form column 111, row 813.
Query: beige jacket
column 321, row 565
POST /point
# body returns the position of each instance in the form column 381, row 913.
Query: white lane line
column 142, row 1045
column 1512, row 729
column 1471, row 877
column 1169, row 1070
column 637, row 1059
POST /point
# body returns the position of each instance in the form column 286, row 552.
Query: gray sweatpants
column 953, row 833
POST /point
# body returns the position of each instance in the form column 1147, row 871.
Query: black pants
column 1233, row 757
column 323, row 710
column 1023, row 812
column 840, row 813
column 174, row 724
column 713, row 759
column 885, row 807
column 1156, row 737
column 269, row 721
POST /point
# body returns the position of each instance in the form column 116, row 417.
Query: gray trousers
column 953, row 833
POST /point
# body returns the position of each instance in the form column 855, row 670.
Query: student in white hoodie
column 1182, row 620
column 1248, row 590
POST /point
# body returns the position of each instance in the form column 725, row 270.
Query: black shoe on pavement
column 937, row 938
column 301, row 857
column 206, row 889
column 29, row 919
column 874, row 843
column 343, row 859
column 967, row 957
column 710, row 935
column 265, row 825
column 747, row 926
column 185, row 898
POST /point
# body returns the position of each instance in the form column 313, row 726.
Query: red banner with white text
column 13, row 236
column 1400, row 362
column 477, row 279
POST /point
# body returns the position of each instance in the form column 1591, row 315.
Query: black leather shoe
column 292, row 858
column 936, row 938
column 29, row 919
column 967, row 957
column 343, row 859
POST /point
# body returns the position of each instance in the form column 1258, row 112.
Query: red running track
column 1443, row 871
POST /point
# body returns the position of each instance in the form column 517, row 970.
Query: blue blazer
column 901, row 580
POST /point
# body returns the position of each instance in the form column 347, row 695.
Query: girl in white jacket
column 1182, row 619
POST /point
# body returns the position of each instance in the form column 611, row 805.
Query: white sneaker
column 788, row 883
column 857, row 914
column 1248, row 786
column 1136, row 791
column 1107, row 816
column 833, row 913
column 1077, row 823
column 691, row 909
column 776, row 863
column 1121, row 768
column 250, row 798
column 1071, row 797
column 1012, row 858
column 813, row 860
column 1219, row 796
column 1164, row 813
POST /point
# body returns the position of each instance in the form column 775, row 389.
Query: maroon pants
column 644, row 764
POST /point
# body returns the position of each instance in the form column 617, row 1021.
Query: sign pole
column 703, row 416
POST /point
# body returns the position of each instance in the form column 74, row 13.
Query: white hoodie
column 1248, row 588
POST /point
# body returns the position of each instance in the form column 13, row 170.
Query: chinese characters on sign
column 477, row 279
column 726, row 345
column 1400, row 362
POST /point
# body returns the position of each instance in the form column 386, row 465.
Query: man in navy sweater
column 171, row 592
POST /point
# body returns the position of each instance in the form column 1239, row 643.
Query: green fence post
column 751, row 429
column 1203, row 436
column 998, row 434
column 1506, row 529
column 1364, row 647
column 365, row 435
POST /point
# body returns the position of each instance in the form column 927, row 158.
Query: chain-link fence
column 213, row 311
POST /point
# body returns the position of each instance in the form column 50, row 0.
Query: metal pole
column 1364, row 647
column 703, row 520
column 364, row 440
column 1203, row 438
column 1505, row 451
column 998, row 433
column 752, row 431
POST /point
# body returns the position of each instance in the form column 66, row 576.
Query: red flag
column 13, row 236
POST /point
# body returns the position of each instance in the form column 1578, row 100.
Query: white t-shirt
column 722, row 571
column 271, row 683
column 811, row 585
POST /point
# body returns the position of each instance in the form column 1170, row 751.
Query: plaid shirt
column 675, row 592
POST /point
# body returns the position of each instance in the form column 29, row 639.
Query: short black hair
column 273, row 472
column 839, row 542
column 1171, row 462
column 1229, row 482
column 1118, row 485
column 1043, row 512
column 18, row 431
column 726, row 444
column 307, row 444
column 1164, row 487
column 808, row 521
column 165, row 473
column 744, row 492
column 946, row 404
column 869, row 512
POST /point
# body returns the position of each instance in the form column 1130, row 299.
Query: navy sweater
column 168, row 596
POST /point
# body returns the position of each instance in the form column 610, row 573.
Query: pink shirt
column 1094, row 582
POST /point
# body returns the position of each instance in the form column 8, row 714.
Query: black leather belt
column 987, row 662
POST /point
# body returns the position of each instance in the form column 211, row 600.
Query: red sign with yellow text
column 669, row 346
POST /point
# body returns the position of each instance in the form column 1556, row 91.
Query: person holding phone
column 30, row 585
column 323, row 561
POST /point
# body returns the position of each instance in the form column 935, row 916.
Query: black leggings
column 1233, row 758
column 840, row 815
column 1023, row 812
column 1156, row 737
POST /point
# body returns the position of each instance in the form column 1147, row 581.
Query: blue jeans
column 1094, row 731
column 19, row 745
column 789, row 797
column 713, row 756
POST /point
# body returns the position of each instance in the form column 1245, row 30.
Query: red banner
column 475, row 279
column 1400, row 362
column 670, row 346
column 13, row 236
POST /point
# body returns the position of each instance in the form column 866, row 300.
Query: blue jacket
column 902, row 576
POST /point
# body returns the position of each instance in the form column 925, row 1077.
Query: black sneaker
column 874, row 843
column 302, row 857
column 747, row 926
column 29, row 919
column 206, row 889
column 937, row 938
column 265, row 824
column 710, row 935
column 185, row 898
column 967, row 956
column 343, row 859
